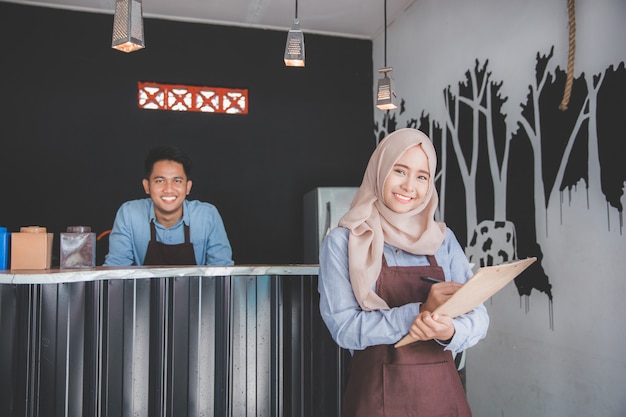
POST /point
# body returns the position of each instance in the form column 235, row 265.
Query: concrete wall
column 555, row 343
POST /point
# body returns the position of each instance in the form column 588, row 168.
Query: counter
column 101, row 273
column 245, row 340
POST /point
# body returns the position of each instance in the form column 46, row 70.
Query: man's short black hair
column 167, row 153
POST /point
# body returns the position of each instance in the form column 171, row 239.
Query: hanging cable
column 385, row 45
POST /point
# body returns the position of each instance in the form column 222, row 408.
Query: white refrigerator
column 323, row 207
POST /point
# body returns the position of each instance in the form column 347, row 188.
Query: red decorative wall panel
column 175, row 97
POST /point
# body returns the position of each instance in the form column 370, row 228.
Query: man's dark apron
column 415, row 380
column 161, row 254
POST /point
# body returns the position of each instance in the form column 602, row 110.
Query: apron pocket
column 418, row 390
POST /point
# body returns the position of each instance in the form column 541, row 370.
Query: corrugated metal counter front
column 167, row 341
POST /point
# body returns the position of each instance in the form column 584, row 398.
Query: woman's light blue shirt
column 356, row 329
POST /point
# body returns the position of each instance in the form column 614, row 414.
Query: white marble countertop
column 59, row 276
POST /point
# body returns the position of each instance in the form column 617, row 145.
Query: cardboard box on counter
column 31, row 248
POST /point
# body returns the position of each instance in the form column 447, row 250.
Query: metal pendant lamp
column 128, row 26
column 386, row 92
column 294, row 49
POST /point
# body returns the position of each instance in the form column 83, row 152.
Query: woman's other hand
column 427, row 326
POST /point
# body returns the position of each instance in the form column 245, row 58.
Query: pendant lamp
column 386, row 92
column 128, row 26
column 294, row 49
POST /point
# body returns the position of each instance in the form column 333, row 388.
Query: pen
column 431, row 279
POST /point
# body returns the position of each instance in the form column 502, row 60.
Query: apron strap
column 152, row 231
column 187, row 234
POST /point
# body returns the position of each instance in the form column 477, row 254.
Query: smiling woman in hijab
column 372, row 290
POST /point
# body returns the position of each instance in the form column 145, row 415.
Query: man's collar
column 185, row 218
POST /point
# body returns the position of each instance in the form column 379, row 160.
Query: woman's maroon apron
column 161, row 254
column 415, row 380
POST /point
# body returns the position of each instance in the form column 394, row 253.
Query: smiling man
column 168, row 229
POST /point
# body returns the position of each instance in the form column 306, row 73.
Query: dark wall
column 72, row 139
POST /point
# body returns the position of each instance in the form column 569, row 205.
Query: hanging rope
column 570, row 56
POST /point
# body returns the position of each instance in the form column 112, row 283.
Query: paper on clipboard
column 485, row 283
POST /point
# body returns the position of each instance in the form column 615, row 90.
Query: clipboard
column 487, row 281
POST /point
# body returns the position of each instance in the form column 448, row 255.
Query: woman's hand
column 439, row 294
column 427, row 326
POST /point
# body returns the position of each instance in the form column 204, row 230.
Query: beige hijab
column 372, row 223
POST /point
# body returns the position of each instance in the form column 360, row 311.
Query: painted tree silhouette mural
column 496, row 187
column 610, row 122
column 474, row 119
column 554, row 133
